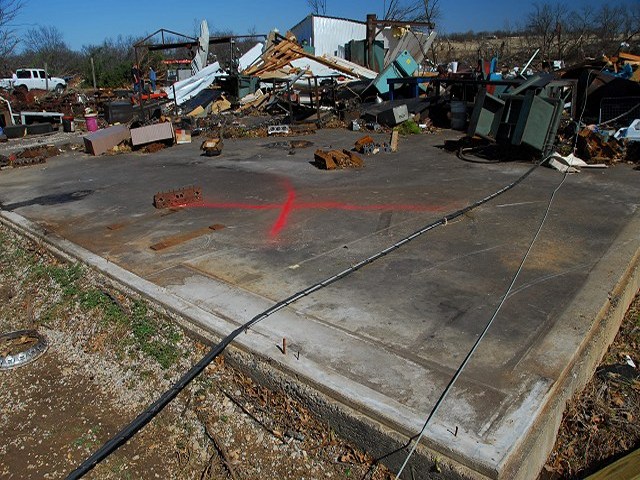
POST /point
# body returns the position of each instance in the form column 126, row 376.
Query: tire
column 22, row 88
column 59, row 89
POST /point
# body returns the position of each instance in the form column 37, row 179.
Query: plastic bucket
column 458, row 114
column 92, row 122
column 68, row 125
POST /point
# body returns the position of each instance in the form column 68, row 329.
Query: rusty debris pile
column 372, row 76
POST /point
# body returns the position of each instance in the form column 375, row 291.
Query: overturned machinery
column 526, row 115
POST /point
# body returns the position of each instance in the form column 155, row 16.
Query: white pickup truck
column 34, row 78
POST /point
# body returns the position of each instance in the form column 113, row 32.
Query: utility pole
column 93, row 73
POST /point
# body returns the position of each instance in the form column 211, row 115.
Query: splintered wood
column 286, row 50
column 184, row 237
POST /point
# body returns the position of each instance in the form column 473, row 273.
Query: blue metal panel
column 403, row 66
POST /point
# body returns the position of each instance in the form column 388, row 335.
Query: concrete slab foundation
column 382, row 344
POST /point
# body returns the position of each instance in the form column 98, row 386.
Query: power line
column 467, row 358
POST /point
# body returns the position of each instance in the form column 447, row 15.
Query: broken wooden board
column 395, row 135
column 184, row 237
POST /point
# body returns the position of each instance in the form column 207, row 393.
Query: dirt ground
column 602, row 423
column 110, row 355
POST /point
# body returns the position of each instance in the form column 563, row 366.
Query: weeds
column 408, row 128
column 131, row 326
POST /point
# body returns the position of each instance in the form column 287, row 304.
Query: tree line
column 557, row 29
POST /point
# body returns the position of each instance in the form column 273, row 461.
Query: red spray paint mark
column 290, row 205
column 286, row 211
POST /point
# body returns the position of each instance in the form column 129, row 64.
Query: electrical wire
column 467, row 358
column 156, row 407
column 619, row 116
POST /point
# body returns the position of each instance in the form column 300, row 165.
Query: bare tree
column 413, row 10
column 632, row 23
column 46, row 45
column 9, row 10
column 318, row 7
column 547, row 23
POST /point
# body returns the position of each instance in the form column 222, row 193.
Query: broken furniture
column 157, row 132
column 33, row 117
column 97, row 143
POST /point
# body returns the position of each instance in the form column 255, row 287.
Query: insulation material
column 190, row 87
column 200, row 58
column 250, row 57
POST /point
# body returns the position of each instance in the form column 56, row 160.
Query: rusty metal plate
column 178, row 197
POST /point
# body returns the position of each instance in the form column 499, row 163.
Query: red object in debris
column 152, row 96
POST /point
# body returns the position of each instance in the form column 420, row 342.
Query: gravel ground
column 109, row 356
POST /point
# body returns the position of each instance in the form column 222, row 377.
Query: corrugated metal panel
column 304, row 30
column 151, row 133
column 330, row 34
column 416, row 43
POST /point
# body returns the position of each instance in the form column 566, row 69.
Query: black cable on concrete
column 467, row 358
column 476, row 344
column 156, row 407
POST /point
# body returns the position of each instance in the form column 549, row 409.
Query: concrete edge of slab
column 604, row 300
column 383, row 442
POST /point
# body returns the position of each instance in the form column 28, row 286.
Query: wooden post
column 46, row 77
column 93, row 73
column 371, row 36
column 317, row 95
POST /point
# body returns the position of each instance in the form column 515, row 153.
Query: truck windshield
column 23, row 73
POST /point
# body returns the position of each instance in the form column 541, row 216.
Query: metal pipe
column 10, row 111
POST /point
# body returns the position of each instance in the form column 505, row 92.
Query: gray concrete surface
column 386, row 340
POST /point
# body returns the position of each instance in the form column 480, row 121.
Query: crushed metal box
column 394, row 116
column 158, row 132
column 97, row 143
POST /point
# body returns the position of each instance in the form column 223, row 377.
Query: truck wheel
column 59, row 89
column 22, row 88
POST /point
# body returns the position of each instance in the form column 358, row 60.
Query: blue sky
column 89, row 22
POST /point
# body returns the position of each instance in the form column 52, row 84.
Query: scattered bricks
column 354, row 160
column 324, row 161
column 178, row 198
column 363, row 143
column 39, row 152
column 337, row 159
